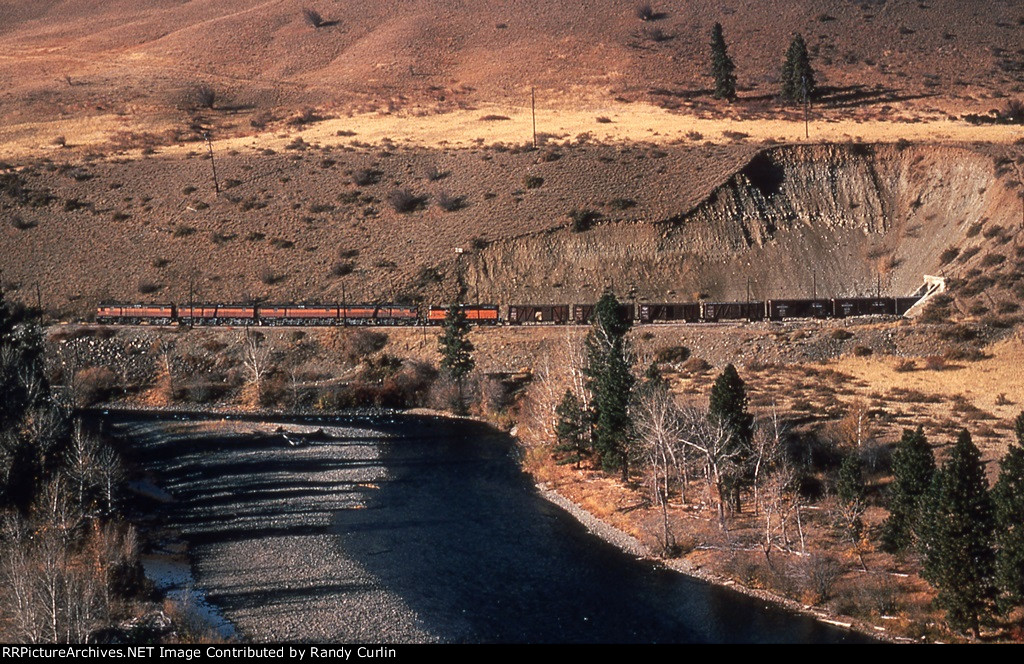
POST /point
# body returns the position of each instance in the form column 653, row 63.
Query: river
column 411, row 529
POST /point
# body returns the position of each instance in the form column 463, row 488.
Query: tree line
column 67, row 560
column 969, row 538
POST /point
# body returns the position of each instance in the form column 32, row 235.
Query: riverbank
column 633, row 546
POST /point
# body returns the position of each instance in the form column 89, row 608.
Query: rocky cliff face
column 831, row 220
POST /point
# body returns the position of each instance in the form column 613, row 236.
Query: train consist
column 643, row 313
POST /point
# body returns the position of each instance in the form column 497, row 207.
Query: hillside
column 129, row 67
column 665, row 223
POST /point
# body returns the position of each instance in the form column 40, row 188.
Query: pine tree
column 1008, row 499
column 956, row 538
column 722, row 66
column 728, row 406
column 610, row 382
column 570, row 429
column 850, row 485
column 456, row 348
column 913, row 466
column 797, row 72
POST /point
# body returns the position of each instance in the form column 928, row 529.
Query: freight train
column 642, row 313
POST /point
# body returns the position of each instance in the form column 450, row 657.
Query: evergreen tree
column 851, row 494
column 722, row 66
column 850, row 485
column 728, row 406
column 956, row 538
column 913, row 466
column 570, row 429
column 610, row 382
column 456, row 348
column 1008, row 499
column 797, row 72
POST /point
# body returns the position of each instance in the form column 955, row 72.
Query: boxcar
column 715, row 311
column 779, row 309
column 297, row 314
column 480, row 314
column 527, row 314
column 135, row 314
column 902, row 304
column 688, row 312
column 863, row 306
column 583, row 314
column 218, row 314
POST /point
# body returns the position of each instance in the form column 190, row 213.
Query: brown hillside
column 671, row 223
column 120, row 57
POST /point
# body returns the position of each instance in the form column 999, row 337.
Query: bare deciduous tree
column 766, row 451
column 713, row 442
column 659, row 428
column 256, row 359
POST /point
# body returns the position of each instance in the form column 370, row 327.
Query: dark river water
column 455, row 530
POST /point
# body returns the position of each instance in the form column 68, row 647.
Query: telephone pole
column 213, row 164
column 533, row 113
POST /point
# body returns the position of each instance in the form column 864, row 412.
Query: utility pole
column 533, row 112
column 814, row 285
column 344, row 308
column 213, row 165
column 39, row 301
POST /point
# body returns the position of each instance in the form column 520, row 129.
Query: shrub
column 696, row 365
column 21, row 223
column 429, row 275
column 654, row 34
column 935, row 363
column 645, row 12
column 1014, row 111
column 404, row 201
column 948, row 255
column 820, row 573
column 200, row 95
column 621, row 203
column 149, row 287
column 903, row 366
column 450, row 203
column 313, row 17
column 366, row 176
column 354, row 344
column 991, row 260
column 673, row 354
column 937, row 310
column 583, row 220
column 92, row 385
column 862, row 351
column 269, row 277
column 841, row 334
column 434, row 174
column 342, row 268
column 533, row 181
